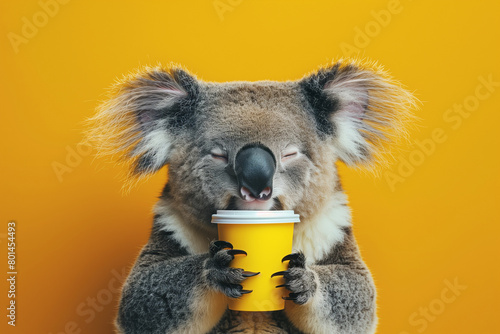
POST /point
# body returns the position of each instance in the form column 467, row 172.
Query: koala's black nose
column 254, row 167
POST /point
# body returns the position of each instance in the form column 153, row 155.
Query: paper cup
column 267, row 237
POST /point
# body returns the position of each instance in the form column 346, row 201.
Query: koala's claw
column 299, row 280
column 280, row 273
column 296, row 260
column 249, row 273
column 288, row 257
column 244, row 292
column 292, row 296
column 223, row 244
column 217, row 246
column 236, row 251
column 220, row 275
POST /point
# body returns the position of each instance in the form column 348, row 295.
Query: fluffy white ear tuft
column 366, row 107
column 140, row 117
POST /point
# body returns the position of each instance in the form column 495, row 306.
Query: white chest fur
column 193, row 238
column 317, row 236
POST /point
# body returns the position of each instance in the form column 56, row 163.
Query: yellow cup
column 267, row 237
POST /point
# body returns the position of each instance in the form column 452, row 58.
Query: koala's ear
column 359, row 105
column 144, row 113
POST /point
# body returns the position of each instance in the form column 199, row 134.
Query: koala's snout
column 254, row 168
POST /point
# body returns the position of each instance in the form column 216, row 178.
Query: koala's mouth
column 263, row 196
column 255, row 204
column 238, row 203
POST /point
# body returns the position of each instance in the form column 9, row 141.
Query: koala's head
column 251, row 145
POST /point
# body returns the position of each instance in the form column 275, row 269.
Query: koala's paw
column 220, row 275
column 298, row 279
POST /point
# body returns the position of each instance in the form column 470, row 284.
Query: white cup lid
column 255, row 217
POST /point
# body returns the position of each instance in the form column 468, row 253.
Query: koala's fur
column 181, row 279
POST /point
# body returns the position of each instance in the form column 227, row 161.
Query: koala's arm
column 171, row 291
column 335, row 295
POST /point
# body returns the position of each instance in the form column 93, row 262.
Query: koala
column 261, row 145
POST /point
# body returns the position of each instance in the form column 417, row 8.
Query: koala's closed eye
column 290, row 153
column 219, row 154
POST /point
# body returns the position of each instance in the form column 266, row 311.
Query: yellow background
column 78, row 232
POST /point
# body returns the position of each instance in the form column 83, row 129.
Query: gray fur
column 181, row 281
